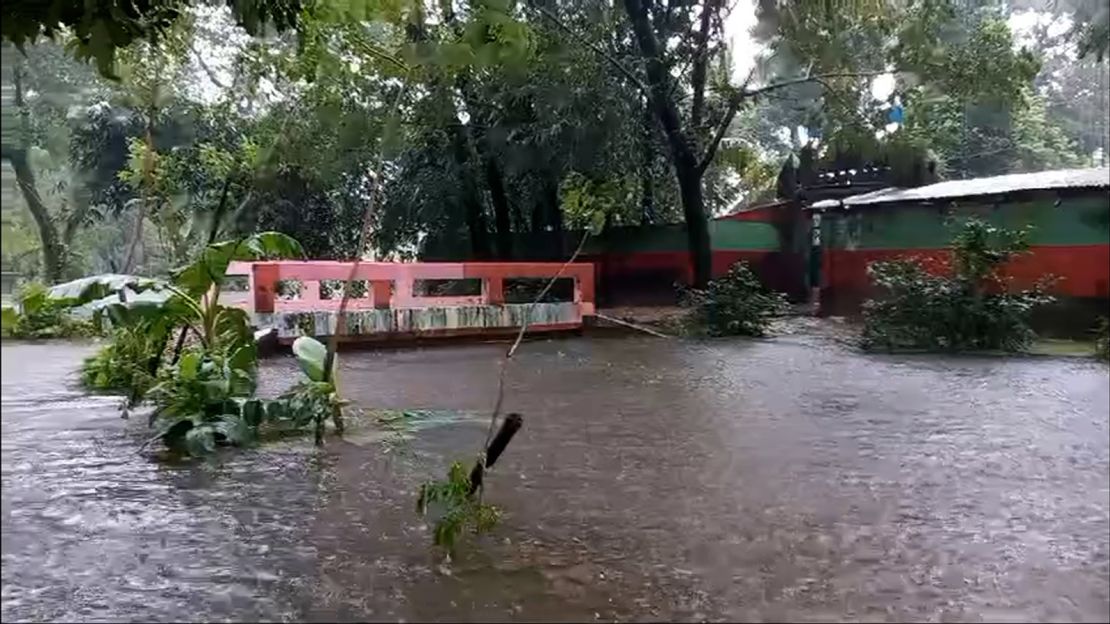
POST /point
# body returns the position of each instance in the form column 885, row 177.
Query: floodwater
column 791, row 479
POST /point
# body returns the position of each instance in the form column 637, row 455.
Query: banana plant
column 189, row 299
column 318, row 396
column 199, row 399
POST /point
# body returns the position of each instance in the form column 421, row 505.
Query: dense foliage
column 202, row 392
column 486, row 128
column 970, row 308
column 735, row 304
column 124, row 364
column 35, row 315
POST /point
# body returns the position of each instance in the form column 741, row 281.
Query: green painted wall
column 731, row 235
column 725, row 236
column 1076, row 221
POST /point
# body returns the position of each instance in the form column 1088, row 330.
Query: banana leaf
column 311, row 354
column 88, row 289
column 211, row 267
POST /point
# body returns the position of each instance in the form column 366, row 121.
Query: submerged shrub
column 1102, row 339
column 971, row 308
column 124, row 364
column 736, row 304
column 38, row 316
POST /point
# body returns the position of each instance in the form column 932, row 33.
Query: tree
column 101, row 27
column 43, row 85
column 964, row 86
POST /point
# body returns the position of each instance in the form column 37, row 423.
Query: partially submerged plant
column 123, row 365
column 970, row 308
column 1102, row 339
column 455, row 508
column 36, row 315
column 204, row 398
column 316, row 398
column 735, row 304
column 457, row 502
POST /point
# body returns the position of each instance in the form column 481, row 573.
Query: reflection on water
column 780, row 480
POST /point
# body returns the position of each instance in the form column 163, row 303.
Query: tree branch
column 207, row 70
column 596, row 48
column 745, row 94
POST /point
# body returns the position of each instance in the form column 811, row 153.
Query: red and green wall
column 1070, row 240
column 655, row 257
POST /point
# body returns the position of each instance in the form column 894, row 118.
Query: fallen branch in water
column 631, row 325
column 520, row 337
column 512, row 424
column 459, row 497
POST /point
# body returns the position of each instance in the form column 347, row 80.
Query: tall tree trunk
column 53, row 252
column 500, row 200
column 477, row 143
column 697, row 225
column 700, row 69
column 687, row 168
column 472, row 201
column 554, row 217
column 647, row 169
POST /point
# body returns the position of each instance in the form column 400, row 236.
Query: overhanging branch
column 745, row 94
column 596, row 48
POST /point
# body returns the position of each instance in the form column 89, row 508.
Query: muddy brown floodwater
column 790, row 479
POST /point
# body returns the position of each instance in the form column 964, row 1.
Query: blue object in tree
column 897, row 114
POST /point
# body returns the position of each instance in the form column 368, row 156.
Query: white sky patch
column 738, row 26
column 1023, row 24
column 882, row 87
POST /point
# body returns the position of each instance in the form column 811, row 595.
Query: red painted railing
column 390, row 285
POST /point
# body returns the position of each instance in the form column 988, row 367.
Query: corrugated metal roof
column 1061, row 178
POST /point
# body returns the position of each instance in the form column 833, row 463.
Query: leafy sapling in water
column 456, row 502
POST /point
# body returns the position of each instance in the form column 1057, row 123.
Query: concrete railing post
column 381, row 293
column 493, row 290
column 264, row 278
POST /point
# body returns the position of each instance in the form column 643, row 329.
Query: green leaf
column 243, row 358
column 211, row 266
column 173, row 435
column 233, row 329
column 269, row 245
column 8, row 318
column 32, row 298
column 88, row 289
column 311, row 354
column 158, row 306
column 189, row 365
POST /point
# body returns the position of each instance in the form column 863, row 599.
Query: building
column 1069, row 211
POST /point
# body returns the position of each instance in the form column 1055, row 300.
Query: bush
column 735, row 304
column 38, row 316
column 1102, row 339
column 123, row 365
column 969, row 309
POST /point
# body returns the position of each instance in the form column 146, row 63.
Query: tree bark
column 53, row 252
column 701, row 64
column 477, row 142
column 684, row 160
